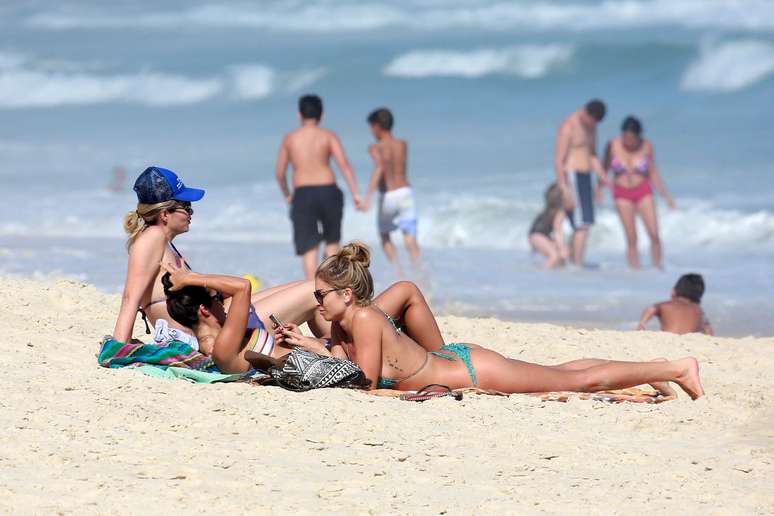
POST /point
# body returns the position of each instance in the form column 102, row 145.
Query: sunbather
column 195, row 301
column 392, row 359
column 163, row 212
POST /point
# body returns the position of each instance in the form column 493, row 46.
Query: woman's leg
column 547, row 247
column 499, row 373
column 295, row 304
column 585, row 363
column 266, row 292
column 403, row 300
column 647, row 210
column 626, row 211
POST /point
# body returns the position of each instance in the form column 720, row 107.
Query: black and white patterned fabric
column 304, row 370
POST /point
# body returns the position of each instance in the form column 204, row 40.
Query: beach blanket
column 115, row 354
column 176, row 360
column 633, row 395
column 189, row 375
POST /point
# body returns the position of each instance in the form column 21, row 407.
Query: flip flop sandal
column 427, row 392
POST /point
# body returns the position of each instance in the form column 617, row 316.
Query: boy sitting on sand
column 396, row 199
column 683, row 313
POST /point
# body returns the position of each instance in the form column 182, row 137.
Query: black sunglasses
column 319, row 295
column 217, row 296
column 185, row 206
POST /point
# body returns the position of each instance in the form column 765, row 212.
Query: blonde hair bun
column 356, row 252
column 349, row 269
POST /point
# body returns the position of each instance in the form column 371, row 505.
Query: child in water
column 683, row 313
column 546, row 235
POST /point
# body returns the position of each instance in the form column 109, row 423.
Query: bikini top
column 388, row 383
column 641, row 166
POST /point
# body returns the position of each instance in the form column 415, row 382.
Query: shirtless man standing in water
column 574, row 160
column 396, row 199
column 316, row 202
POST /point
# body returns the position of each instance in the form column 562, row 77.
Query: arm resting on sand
column 647, row 315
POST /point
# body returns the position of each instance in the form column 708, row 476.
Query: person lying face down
column 391, row 358
column 196, row 301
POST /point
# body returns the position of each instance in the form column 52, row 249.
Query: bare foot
column 663, row 387
column 689, row 380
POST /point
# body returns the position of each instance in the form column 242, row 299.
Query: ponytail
column 145, row 215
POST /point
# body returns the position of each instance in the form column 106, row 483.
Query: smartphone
column 276, row 320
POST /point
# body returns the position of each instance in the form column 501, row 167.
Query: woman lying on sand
column 364, row 334
column 192, row 303
column 164, row 212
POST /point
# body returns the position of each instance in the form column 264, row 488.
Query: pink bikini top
column 641, row 166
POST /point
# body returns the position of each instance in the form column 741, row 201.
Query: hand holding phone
column 277, row 321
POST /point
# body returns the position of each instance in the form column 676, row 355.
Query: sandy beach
column 78, row 438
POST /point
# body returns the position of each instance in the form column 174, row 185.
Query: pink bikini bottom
column 635, row 194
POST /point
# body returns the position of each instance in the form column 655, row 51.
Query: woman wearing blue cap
column 163, row 212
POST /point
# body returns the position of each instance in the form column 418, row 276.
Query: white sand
column 77, row 438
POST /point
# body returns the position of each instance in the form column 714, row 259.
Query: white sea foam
column 447, row 220
column 302, row 79
column 22, row 88
column 729, row 66
column 37, row 83
column 326, row 16
column 525, row 61
column 253, row 81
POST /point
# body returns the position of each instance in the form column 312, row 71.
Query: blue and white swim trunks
column 397, row 211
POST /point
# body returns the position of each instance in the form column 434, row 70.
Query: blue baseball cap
column 157, row 184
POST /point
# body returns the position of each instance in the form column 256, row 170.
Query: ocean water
column 477, row 87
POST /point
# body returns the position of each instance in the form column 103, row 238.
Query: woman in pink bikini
column 630, row 158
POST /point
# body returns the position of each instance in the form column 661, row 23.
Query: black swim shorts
column 316, row 214
column 583, row 214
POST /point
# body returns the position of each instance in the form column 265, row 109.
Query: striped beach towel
column 115, row 354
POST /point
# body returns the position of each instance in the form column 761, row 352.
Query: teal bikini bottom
column 461, row 350
column 447, row 352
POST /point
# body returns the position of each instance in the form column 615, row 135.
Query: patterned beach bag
column 304, row 370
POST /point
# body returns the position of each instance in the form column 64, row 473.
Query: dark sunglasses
column 319, row 295
column 185, row 206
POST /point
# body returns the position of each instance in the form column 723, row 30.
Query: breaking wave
column 525, row 61
column 28, row 83
column 729, row 66
column 327, row 16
